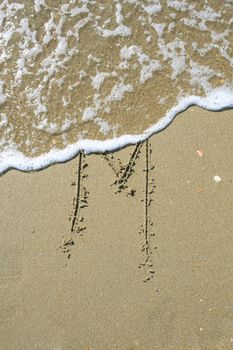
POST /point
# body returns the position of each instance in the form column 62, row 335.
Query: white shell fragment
column 200, row 153
column 217, row 179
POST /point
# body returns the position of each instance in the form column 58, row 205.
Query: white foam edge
column 216, row 100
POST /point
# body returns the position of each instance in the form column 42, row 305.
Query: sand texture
column 131, row 250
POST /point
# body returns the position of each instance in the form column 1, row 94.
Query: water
column 97, row 75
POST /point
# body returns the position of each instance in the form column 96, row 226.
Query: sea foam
column 217, row 99
column 82, row 75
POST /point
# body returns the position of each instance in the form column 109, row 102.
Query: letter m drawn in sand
column 123, row 172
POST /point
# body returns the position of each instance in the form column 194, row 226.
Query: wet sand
column 131, row 250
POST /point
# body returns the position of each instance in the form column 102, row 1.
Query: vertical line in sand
column 147, row 201
column 77, row 202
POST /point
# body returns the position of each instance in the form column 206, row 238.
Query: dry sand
column 126, row 251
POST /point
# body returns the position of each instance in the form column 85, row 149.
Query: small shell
column 199, row 189
column 200, row 153
column 217, row 179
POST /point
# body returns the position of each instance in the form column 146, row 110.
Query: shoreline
column 129, row 250
column 13, row 159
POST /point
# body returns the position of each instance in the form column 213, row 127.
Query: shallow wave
column 80, row 75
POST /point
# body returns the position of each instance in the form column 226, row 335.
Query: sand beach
column 127, row 250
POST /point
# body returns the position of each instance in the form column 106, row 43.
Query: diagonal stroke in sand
column 123, row 173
